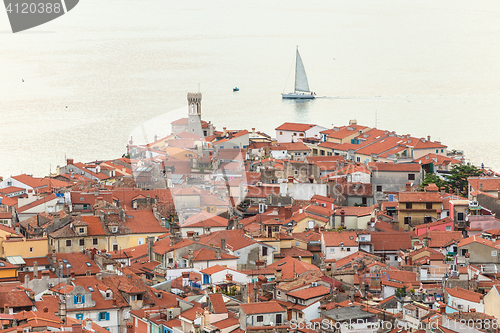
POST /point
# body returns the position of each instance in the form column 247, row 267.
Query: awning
column 16, row 260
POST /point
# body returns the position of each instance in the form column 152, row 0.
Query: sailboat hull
column 297, row 96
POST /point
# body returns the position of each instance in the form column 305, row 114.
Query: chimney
column 35, row 270
column 143, row 278
column 99, row 276
column 77, row 328
column 130, row 327
column 288, row 212
column 88, row 324
column 253, row 130
column 428, row 138
column 172, row 240
column 480, row 186
column 62, row 311
column 150, row 241
column 88, row 273
column 45, row 309
column 223, row 243
column 217, row 253
column 277, row 274
column 190, row 258
column 443, row 190
column 342, row 218
column 196, row 238
column 224, row 132
column 229, row 277
column 408, row 187
column 69, row 161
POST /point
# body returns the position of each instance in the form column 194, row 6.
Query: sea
column 84, row 84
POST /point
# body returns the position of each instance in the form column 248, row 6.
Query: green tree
column 457, row 180
column 431, row 178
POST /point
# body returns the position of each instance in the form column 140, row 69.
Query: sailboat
column 301, row 89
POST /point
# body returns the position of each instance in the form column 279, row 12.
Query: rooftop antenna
column 198, row 87
column 375, row 118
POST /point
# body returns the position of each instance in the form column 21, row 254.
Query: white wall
column 467, row 305
column 230, row 263
column 303, row 191
column 221, row 276
column 338, row 253
column 111, row 324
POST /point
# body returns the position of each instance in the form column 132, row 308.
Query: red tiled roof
column 142, row 222
column 334, row 238
column 165, row 245
column 419, row 197
column 205, row 254
column 390, row 241
column 261, row 307
column 291, row 146
column 309, row 293
column 437, row 159
column 440, row 239
column 296, row 252
column 401, row 276
column 294, row 127
column 37, row 203
column 289, row 266
column 212, row 269
column 465, row 294
column 217, row 303
column 401, row 167
column 484, row 183
column 235, row 239
column 344, row 131
column 205, row 219
column 354, row 211
column 473, row 239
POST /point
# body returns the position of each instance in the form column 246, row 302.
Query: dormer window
column 114, row 229
column 79, row 299
column 81, row 230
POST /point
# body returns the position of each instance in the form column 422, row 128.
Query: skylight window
column 2, row 264
column 91, row 289
column 88, row 264
column 65, row 261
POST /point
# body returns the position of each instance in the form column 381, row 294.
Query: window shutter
column 83, row 299
column 99, row 316
column 75, row 299
column 107, row 315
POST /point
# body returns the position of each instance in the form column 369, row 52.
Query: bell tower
column 194, row 113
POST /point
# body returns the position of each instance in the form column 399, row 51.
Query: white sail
column 300, row 75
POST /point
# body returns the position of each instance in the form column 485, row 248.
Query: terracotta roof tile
column 294, row 127
column 465, row 294
column 261, row 307
column 217, row 303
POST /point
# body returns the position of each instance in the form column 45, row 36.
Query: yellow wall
column 8, row 273
column 21, row 247
column 3, row 236
column 418, row 212
column 59, row 244
column 304, row 223
column 126, row 241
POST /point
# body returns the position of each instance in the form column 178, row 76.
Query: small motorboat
column 236, row 89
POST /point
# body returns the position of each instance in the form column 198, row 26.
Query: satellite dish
column 399, row 259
